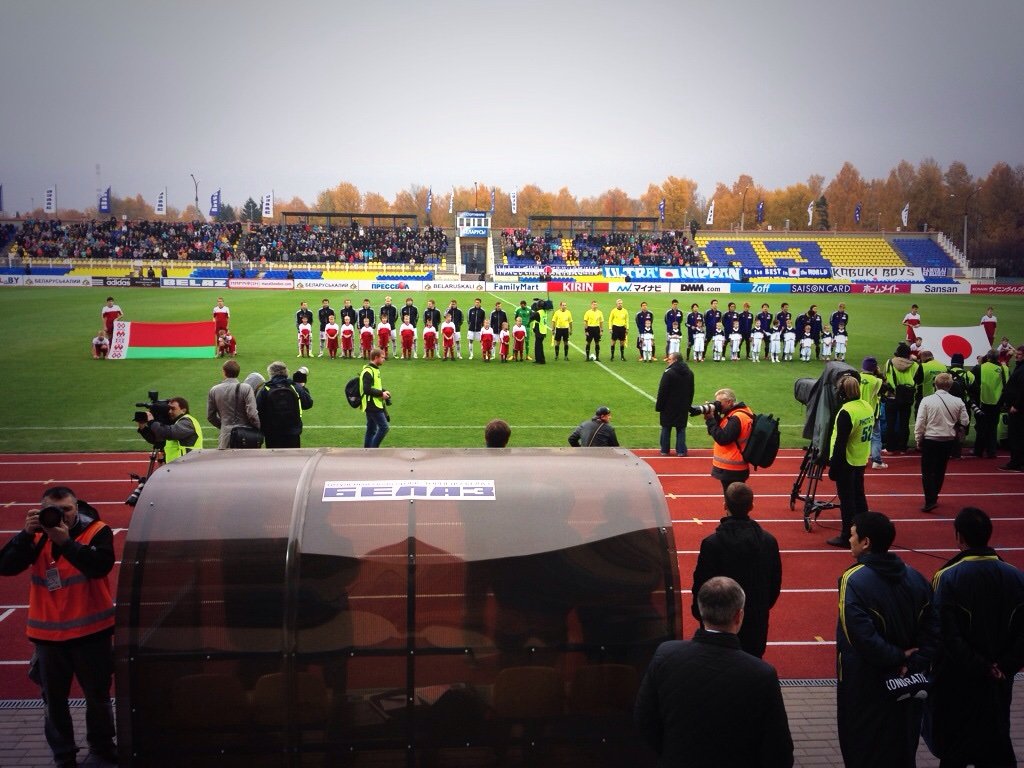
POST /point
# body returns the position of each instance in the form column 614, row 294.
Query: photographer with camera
column 375, row 400
column 70, row 616
column 180, row 431
column 280, row 403
column 729, row 424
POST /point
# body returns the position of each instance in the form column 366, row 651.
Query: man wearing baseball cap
column 596, row 432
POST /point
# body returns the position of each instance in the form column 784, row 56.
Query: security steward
column 849, row 453
column 729, row 425
column 183, row 435
column 989, row 379
column 375, row 400
column 70, row 554
column 539, row 324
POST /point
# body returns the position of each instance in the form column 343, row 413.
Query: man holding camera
column 182, row 434
column 729, row 424
column 375, row 400
column 280, row 404
column 70, row 617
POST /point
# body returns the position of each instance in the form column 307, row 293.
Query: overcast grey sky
column 297, row 96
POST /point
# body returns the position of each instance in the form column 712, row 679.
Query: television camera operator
column 70, row 553
column 729, row 423
column 178, row 430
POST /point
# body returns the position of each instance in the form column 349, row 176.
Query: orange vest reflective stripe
column 729, row 457
column 81, row 607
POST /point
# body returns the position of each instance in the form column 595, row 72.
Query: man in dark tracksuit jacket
column 980, row 603
column 745, row 552
column 886, row 626
column 704, row 702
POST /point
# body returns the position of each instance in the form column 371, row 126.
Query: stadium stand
column 307, row 242
column 924, row 253
column 54, row 240
column 521, row 248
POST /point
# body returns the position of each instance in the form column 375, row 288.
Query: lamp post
column 743, row 207
column 476, row 199
column 967, row 201
column 196, row 184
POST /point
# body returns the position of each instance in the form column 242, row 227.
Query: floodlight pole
column 743, row 207
column 196, row 184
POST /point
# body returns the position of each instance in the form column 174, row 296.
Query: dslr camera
column 712, row 407
column 159, row 408
column 51, row 517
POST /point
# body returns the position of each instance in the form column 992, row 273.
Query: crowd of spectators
column 54, row 240
column 352, row 244
column 521, row 246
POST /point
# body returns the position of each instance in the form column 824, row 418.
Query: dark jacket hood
column 742, row 533
column 887, row 565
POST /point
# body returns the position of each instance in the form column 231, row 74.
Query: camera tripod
column 811, row 469
column 155, row 458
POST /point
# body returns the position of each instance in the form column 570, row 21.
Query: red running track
column 802, row 634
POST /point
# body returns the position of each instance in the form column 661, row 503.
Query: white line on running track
column 6, row 613
column 945, row 495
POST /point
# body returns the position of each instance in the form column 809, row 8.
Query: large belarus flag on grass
column 150, row 341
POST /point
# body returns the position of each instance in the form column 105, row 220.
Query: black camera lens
column 51, row 517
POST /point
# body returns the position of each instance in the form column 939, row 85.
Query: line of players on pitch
column 777, row 335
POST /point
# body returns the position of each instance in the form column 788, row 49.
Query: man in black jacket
column 742, row 550
column 886, row 629
column 596, row 432
column 1013, row 400
column 675, row 396
column 978, row 598
column 704, row 702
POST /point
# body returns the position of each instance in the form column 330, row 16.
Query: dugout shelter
column 397, row 607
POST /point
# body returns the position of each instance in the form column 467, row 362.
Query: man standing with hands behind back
column 675, row 396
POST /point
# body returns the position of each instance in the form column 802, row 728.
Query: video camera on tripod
column 162, row 414
column 821, row 397
column 159, row 408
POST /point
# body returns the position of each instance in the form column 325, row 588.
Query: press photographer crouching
column 180, row 432
column 70, row 554
column 729, row 424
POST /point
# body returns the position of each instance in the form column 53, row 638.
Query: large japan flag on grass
column 969, row 341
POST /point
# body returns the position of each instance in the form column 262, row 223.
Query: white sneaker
column 321, row 354
column 879, row 465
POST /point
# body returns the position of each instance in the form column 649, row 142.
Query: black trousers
column 538, row 347
column 850, row 489
column 986, row 424
column 91, row 661
column 897, row 423
column 1015, row 436
column 934, row 458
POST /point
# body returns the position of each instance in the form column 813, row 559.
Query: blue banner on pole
column 215, row 204
column 760, row 212
column 104, row 204
column 856, row 213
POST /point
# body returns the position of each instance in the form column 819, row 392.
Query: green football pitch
column 57, row 398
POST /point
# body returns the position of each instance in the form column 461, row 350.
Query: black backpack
column 958, row 388
column 352, row 392
column 763, row 444
column 282, row 405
